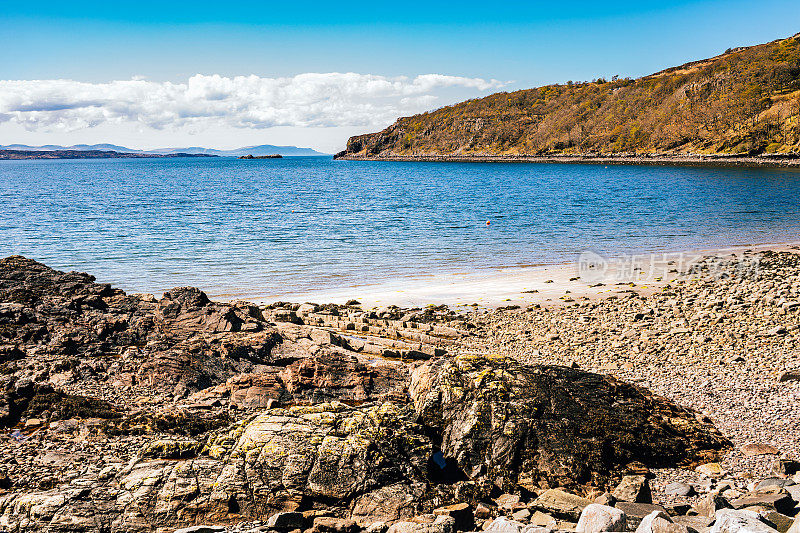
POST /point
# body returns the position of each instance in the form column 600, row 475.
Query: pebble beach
column 723, row 344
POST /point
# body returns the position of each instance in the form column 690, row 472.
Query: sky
column 224, row 75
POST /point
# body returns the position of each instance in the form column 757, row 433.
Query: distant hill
column 86, row 154
column 744, row 101
column 264, row 149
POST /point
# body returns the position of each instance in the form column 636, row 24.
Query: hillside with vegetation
column 744, row 101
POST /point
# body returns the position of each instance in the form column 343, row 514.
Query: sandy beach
column 546, row 285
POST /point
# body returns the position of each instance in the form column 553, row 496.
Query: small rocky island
column 270, row 156
column 130, row 413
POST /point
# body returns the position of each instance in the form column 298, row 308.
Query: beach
column 693, row 380
column 548, row 285
column 719, row 336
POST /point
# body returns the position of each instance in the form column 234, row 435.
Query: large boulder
column 549, row 426
column 327, row 452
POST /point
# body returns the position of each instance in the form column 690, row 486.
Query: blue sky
column 519, row 44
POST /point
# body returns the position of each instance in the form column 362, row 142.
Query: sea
column 277, row 227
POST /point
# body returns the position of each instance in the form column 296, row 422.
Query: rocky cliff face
column 745, row 101
column 126, row 413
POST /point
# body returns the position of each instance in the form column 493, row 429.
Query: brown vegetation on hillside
column 746, row 100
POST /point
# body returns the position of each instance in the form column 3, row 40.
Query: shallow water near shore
column 295, row 226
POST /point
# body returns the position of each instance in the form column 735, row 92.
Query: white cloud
column 310, row 100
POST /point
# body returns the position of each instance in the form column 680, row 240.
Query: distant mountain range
column 89, row 154
column 264, row 149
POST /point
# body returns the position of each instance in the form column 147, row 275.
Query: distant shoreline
column 21, row 155
column 782, row 161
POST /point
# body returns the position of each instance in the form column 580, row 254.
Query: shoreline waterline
column 545, row 284
column 785, row 161
column 306, row 228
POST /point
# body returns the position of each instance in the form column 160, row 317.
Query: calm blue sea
column 284, row 226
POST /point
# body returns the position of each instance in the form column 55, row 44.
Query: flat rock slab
column 758, row 448
column 635, row 512
column 782, row 503
column 561, row 504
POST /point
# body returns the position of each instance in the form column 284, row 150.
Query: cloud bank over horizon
column 310, row 100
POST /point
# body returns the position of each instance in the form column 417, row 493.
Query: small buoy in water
column 488, row 222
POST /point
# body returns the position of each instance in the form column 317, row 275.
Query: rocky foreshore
column 702, row 160
column 676, row 411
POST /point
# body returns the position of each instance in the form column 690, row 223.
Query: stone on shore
column 778, row 501
column 633, row 489
column 285, row 521
column 461, row 513
column 758, row 448
column 710, row 504
column 712, row 470
column 781, row 522
column 740, row 521
column 677, row 488
column 561, row 504
column 504, row 525
column 596, row 518
column 636, row 512
column 330, row 524
column 656, row 522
